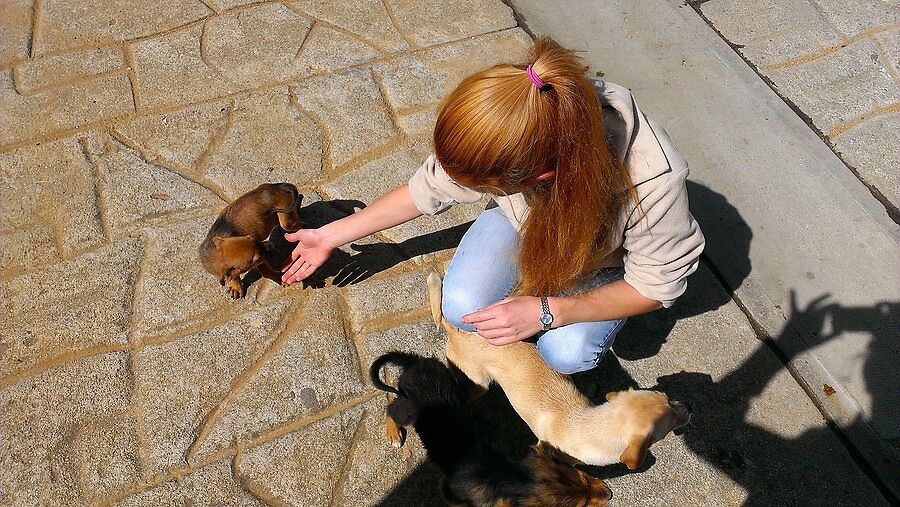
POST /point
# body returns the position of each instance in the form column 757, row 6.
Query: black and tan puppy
column 435, row 402
column 236, row 242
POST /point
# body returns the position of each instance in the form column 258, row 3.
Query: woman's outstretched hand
column 508, row 321
column 311, row 252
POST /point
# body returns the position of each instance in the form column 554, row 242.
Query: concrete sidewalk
column 127, row 377
column 799, row 230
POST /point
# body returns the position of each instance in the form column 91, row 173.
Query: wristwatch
column 546, row 317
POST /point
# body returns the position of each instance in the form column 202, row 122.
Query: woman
column 591, row 224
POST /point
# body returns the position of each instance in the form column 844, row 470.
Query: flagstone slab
column 872, row 148
column 375, row 179
column 211, row 485
column 255, row 45
column 787, row 30
column 430, row 22
column 373, row 459
column 174, row 291
column 426, row 78
column 15, row 31
column 136, row 193
column 58, row 69
column 303, row 467
column 268, row 140
column 328, row 50
column 50, row 420
column 838, row 87
column 351, row 110
column 171, row 71
column 70, row 24
column 388, row 296
column 49, row 190
column 179, row 138
column 41, row 248
column 105, row 97
column 314, row 368
column 105, row 455
column 181, row 380
column 69, row 307
column 368, row 19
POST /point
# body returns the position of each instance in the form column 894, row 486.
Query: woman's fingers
column 490, row 334
column 479, row 316
column 488, row 325
column 292, row 269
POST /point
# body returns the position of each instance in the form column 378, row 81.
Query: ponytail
column 503, row 127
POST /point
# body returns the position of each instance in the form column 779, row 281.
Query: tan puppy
column 618, row 431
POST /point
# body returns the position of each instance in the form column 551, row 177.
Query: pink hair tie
column 538, row 82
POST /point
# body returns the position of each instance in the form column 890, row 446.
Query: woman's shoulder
column 641, row 143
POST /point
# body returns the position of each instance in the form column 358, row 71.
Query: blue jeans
column 483, row 271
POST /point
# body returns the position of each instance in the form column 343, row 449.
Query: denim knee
column 458, row 300
column 568, row 356
column 578, row 347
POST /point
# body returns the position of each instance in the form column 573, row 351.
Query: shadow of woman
column 727, row 253
column 810, row 468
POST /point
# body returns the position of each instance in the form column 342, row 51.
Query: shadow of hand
column 370, row 259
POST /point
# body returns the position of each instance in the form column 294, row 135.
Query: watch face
column 546, row 319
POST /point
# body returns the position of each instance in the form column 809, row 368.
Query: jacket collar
column 630, row 134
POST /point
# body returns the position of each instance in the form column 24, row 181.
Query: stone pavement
column 838, row 63
column 128, row 377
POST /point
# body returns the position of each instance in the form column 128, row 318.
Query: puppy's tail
column 401, row 359
column 435, row 285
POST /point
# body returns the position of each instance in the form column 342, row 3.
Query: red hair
column 497, row 132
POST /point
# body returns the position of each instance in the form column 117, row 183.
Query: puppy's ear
column 634, row 454
column 612, row 395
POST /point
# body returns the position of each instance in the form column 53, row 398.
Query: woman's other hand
column 509, row 320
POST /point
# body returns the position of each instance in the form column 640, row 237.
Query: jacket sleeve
column 662, row 240
column 433, row 191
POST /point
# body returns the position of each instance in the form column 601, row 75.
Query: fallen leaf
column 829, row 391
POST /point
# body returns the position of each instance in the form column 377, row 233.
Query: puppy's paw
column 235, row 289
column 396, row 434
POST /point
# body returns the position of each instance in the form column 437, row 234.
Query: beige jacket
column 660, row 248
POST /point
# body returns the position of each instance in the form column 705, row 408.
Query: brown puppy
column 236, row 241
column 618, row 431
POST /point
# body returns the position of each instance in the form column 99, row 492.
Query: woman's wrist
column 559, row 308
column 330, row 234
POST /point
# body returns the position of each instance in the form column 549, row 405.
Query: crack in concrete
column 280, row 333
column 69, row 132
column 231, row 451
column 396, row 24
